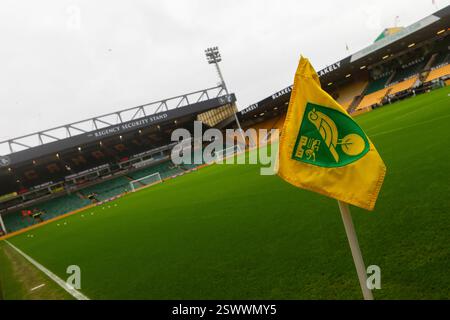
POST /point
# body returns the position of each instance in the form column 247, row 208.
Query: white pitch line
column 37, row 287
column 72, row 291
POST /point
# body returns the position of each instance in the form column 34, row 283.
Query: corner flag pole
column 2, row 225
column 356, row 251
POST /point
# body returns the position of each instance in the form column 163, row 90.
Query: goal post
column 145, row 181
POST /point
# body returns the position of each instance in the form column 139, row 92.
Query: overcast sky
column 66, row 60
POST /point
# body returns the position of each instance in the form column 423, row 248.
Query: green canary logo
column 329, row 138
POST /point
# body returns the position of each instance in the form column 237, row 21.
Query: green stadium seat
column 52, row 208
column 108, row 189
column 406, row 73
column 376, row 85
column 104, row 191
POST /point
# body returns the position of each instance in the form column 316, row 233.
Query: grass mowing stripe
column 72, row 291
column 408, row 127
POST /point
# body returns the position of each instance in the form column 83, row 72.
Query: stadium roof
column 388, row 32
column 423, row 30
column 95, row 129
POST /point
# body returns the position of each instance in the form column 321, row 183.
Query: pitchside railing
column 75, row 128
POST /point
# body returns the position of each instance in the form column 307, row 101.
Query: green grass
column 226, row 232
column 18, row 278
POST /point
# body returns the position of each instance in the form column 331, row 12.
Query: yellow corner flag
column 323, row 150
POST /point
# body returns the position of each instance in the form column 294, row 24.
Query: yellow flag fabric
column 322, row 149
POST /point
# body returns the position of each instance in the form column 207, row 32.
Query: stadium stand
column 273, row 123
column 438, row 73
column 348, row 93
column 408, row 71
column 440, row 60
column 61, row 205
column 265, row 124
column 166, row 170
column 15, row 221
column 377, row 96
column 104, row 190
column 108, row 189
column 51, row 208
column 82, row 167
column 401, row 86
column 372, row 98
column 391, row 83
column 377, row 84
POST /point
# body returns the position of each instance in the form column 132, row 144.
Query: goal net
column 227, row 152
column 145, row 181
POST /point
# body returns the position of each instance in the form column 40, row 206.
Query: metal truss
column 109, row 119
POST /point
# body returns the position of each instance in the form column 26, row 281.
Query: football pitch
column 227, row 232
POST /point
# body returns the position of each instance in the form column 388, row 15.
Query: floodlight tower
column 213, row 57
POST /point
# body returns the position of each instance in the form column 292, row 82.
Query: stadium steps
column 440, row 67
column 390, row 79
column 356, row 101
column 431, row 61
column 426, row 70
column 442, row 59
column 347, row 94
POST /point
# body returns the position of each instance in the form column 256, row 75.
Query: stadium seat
column 441, row 59
column 104, row 190
column 266, row 124
column 404, row 85
column 347, row 94
column 377, row 96
column 407, row 73
column 52, row 208
column 372, row 98
column 376, row 85
column 439, row 72
column 108, row 189
column 166, row 169
column 346, row 104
